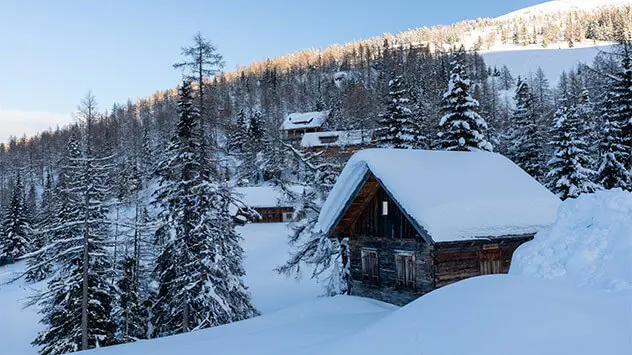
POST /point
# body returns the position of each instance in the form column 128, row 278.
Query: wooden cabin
column 267, row 202
column 419, row 220
column 297, row 124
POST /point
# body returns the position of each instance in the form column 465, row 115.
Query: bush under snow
column 590, row 244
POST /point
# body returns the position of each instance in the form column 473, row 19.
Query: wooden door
column 491, row 262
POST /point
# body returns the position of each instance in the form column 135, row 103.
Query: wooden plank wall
column 387, row 289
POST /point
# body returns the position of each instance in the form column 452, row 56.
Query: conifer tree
column 527, row 141
column 612, row 172
column 569, row 175
column 461, row 128
column 16, row 234
column 239, row 135
column 199, row 265
column 619, row 107
column 395, row 127
column 39, row 266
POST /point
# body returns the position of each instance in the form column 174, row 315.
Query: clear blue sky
column 52, row 52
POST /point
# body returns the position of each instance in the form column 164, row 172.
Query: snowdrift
column 589, row 246
column 499, row 315
column 306, row 329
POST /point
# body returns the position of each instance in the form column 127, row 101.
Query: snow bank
column 499, row 315
column 590, row 244
column 307, row 329
column 452, row 195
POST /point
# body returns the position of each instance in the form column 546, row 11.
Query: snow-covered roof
column 303, row 120
column 452, row 195
column 336, row 138
column 261, row 196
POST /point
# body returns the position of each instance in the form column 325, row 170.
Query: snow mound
column 498, row 315
column 590, row 244
column 309, row 328
column 452, row 195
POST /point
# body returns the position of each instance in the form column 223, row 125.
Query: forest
column 127, row 212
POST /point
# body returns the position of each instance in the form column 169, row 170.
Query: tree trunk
column 84, row 287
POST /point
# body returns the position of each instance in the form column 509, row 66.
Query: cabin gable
column 394, row 260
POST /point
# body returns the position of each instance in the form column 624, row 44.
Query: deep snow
column 589, row 245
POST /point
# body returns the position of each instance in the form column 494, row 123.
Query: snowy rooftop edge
column 300, row 120
column 507, row 200
column 343, row 138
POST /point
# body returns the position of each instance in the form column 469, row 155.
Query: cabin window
column 406, row 275
column 370, row 269
column 384, row 208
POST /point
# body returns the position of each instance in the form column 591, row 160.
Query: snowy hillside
column 553, row 61
column 562, row 6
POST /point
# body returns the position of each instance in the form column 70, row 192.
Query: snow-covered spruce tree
column 612, row 173
column 461, row 128
column 131, row 313
column 16, row 234
column 619, row 107
column 395, row 126
column 199, row 266
column 239, row 135
column 569, row 175
column 38, row 266
column 527, row 142
column 77, row 304
column 327, row 257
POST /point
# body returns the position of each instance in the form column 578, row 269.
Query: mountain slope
column 562, row 6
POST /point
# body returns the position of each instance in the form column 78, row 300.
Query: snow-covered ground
column 538, row 309
column 525, row 61
column 265, row 246
column 18, row 326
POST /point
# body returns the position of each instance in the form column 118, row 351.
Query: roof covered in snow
column 452, row 195
column 261, row 196
column 336, row 138
column 303, row 120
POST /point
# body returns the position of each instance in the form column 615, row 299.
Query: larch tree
column 461, row 127
column 77, row 304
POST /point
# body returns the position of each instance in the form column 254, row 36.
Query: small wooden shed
column 419, row 220
column 267, row 201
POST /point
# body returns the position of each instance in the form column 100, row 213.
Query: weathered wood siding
column 455, row 261
column 437, row 264
column 371, row 221
column 387, row 289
